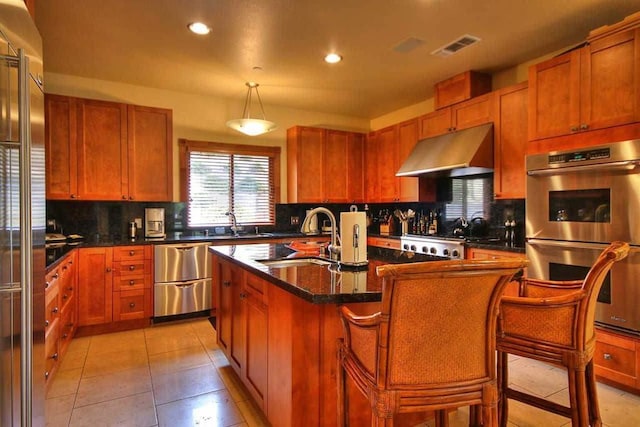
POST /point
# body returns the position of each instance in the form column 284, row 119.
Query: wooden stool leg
column 442, row 418
column 592, row 396
column 574, row 397
column 342, row 396
column 503, row 384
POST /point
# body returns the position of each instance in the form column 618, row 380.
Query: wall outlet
column 295, row 220
column 138, row 222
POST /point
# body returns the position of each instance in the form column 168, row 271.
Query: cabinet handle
column 70, row 288
column 55, row 310
column 46, row 285
column 65, row 296
column 574, row 128
column 132, row 267
column 584, row 126
column 46, row 323
column 46, row 375
column 132, row 304
column 65, row 336
column 108, row 269
column 55, row 276
column 130, row 197
column 226, row 283
column 607, row 356
column 73, row 196
column 124, row 197
column 55, row 356
column 243, row 295
column 132, row 282
column 132, row 253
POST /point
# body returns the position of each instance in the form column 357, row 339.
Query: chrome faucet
column 334, row 247
column 234, row 223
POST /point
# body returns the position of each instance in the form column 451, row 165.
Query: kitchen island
column 278, row 326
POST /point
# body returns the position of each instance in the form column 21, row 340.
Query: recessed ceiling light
column 333, row 58
column 199, row 28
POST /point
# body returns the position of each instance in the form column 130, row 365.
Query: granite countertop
column 318, row 284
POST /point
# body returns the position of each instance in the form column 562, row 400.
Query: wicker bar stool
column 553, row 322
column 432, row 345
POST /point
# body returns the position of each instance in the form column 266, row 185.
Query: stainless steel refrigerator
column 22, row 219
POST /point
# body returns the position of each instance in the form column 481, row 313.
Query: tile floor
column 173, row 374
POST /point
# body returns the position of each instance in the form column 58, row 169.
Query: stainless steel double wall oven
column 577, row 203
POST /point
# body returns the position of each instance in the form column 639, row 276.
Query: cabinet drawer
column 616, row 358
column 68, row 324
column 128, row 305
column 122, row 253
column 131, row 268
column 131, row 283
column 52, row 308
column 51, row 347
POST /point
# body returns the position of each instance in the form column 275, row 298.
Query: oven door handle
column 566, row 244
column 625, row 165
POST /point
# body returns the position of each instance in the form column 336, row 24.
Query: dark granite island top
column 318, row 284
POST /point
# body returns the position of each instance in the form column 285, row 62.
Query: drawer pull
column 65, row 296
column 46, row 323
column 55, row 310
column 65, row 336
column 607, row 356
column 46, row 375
column 70, row 288
column 243, row 295
column 132, row 282
column 108, row 269
column 132, row 267
column 226, row 283
column 132, row 304
column 132, row 253
column 46, row 285
column 55, row 356
column 55, row 276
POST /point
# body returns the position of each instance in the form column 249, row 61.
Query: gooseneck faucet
column 234, row 223
column 334, row 247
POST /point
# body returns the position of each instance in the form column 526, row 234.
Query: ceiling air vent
column 456, row 45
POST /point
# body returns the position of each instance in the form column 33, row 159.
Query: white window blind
column 471, row 198
column 220, row 182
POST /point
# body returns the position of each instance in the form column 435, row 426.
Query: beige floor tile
column 172, row 386
column 80, row 345
column 73, row 360
column 65, row 383
column 218, row 358
column 163, row 344
column 58, row 410
column 178, row 360
column 137, row 410
column 212, row 409
column 527, row 416
column 168, row 329
column 619, row 411
column 113, row 386
column 107, row 363
column 233, row 384
column 538, row 378
column 118, row 341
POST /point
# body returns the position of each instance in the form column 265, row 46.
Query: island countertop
column 318, row 284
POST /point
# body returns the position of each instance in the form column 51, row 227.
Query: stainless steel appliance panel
column 591, row 195
column 172, row 298
column 619, row 298
column 182, row 261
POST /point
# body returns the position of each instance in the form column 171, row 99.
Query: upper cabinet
column 98, row 150
column 473, row 112
column 590, row 88
column 324, row 166
column 510, row 142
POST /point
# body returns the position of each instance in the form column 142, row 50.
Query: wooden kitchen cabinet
column 512, row 288
column 510, row 142
column 132, row 270
column 257, row 332
column 99, row 150
column 617, row 359
column 474, row 112
column 590, row 88
column 324, row 166
column 371, row 181
column 461, row 87
column 95, row 284
column 384, row 242
column 228, row 285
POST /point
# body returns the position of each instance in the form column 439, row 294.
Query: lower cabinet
column 60, row 312
column 512, row 288
column 384, row 242
column 242, row 325
column 115, row 284
column 617, row 359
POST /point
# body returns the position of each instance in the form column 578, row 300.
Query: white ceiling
column 146, row 43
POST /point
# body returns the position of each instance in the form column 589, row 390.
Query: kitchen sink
column 295, row 262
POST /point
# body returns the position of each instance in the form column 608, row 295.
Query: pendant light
column 246, row 124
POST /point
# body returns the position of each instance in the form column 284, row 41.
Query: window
column 218, row 178
column 471, row 197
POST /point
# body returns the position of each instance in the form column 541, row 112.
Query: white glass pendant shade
column 251, row 126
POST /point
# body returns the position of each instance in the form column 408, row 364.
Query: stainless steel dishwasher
column 182, row 279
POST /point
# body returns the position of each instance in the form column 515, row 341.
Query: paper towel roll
column 353, row 233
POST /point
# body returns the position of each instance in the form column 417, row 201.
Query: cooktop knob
column 433, row 250
column 445, row 252
column 413, row 248
column 455, row 253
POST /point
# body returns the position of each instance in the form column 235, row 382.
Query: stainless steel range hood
column 466, row 152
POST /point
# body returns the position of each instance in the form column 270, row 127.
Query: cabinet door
column 305, row 164
column 150, row 148
column 95, row 300
column 256, row 340
column 102, row 150
column 335, row 166
column 436, row 123
column 61, row 147
column 554, row 91
column 610, row 90
column 229, row 313
column 387, row 161
column 355, row 167
column 407, row 139
column 474, row 112
column 371, row 182
column 510, row 142
column 617, row 358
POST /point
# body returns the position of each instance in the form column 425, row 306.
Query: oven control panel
column 580, row 156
